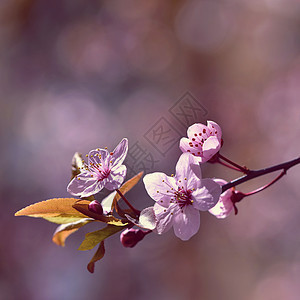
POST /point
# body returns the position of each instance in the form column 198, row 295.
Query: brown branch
column 257, row 173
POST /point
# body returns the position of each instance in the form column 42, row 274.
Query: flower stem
column 137, row 212
column 237, row 167
column 267, row 185
column 228, row 166
column 251, row 174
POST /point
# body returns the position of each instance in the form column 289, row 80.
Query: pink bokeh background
column 77, row 75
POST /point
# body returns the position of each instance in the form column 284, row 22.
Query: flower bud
column 130, row 237
column 96, row 207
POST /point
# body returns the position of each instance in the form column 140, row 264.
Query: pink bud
column 96, row 207
column 130, row 237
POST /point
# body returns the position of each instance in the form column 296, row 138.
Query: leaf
column 127, row 186
column 56, row 210
column 82, row 206
column 94, row 238
column 63, row 231
column 97, row 256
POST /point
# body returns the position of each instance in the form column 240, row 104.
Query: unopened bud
column 130, row 237
column 96, row 207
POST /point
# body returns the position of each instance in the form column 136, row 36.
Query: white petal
column 159, row 187
column 116, row 178
column 206, row 195
column 164, row 217
column 120, row 152
column 188, row 171
column 147, row 218
column 187, row 223
column 107, row 202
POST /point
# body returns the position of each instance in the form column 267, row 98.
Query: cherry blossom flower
column 203, row 141
column 224, row 206
column 104, row 169
column 180, row 198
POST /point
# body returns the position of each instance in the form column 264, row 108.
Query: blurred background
column 77, row 75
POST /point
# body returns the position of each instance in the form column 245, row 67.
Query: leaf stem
column 137, row 212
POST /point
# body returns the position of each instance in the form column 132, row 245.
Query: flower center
column 102, row 174
column 99, row 170
column 183, row 197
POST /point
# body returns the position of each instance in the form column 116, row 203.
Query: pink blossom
column 224, row 206
column 179, row 198
column 203, row 141
column 104, row 169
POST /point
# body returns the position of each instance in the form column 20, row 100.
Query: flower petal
column 159, row 187
column 120, row 152
column 116, row 177
column 198, row 131
column 224, row 206
column 80, row 183
column 210, row 147
column 147, row 218
column 97, row 157
column 206, row 195
column 187, row 145
column 188, row 172
column 93, row 189
column 164, row 217
column 186, row 223
column 107, row 202
column 215, row 129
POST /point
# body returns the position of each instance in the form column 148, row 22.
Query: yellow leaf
column 56, row 210
column 65, row 230
column 94, row 238
column 97, row 256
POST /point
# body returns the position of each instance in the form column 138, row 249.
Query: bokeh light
column 77, row 75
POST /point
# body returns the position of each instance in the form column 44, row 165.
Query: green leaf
column 64, row 231
column 97, row 256
column 56, row 210
column 94, row 238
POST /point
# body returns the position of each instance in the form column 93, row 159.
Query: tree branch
column 257, row 173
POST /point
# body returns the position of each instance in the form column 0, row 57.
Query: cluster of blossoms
column 178, row 198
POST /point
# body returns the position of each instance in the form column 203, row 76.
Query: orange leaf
column 57, row 210
column 97, row 256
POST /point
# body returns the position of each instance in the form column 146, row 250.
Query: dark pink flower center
column 183, row 197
